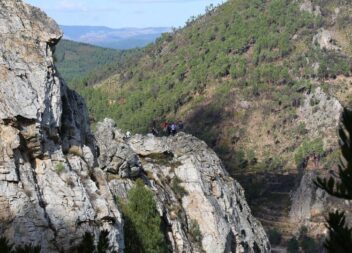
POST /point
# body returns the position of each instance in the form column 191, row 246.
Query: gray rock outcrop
column 309, row 205
column 191, row 187
column 308, row 6
column 325, row 40
column 320, row 113
column 115, row 156
column 50, row 192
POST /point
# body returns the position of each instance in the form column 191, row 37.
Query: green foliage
column 269, row 164
column 238, row 68
column 251, row 158
column 340, row 235
column 194, row 231
column 240, row 160
column 59, row 168
column 75, row 59
column 6, row 247
column 142, row 222
column 87, row 244
column 307, row 149
column 274, row 237
column 301, row 129
column 103, row 243
column 293, row 245
column 332, row 65
column 177, row 188
column 342, row 189
column 332, row 159
column 28, row 249
column 308, row 244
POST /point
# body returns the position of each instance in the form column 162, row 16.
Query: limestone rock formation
column 325, row 40
column 49, row 188
column 116, row 159
column 191, row 187
column 320, row 113
column 307, row 6
column 309, row 205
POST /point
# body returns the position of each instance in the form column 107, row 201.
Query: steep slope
column 75, row 59
column 262, row 82
column 58, row 187
column 191, row 187
column 47, row 153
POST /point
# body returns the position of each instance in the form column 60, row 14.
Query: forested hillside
column 84, row 66
column 75, row 59
column 260, row 81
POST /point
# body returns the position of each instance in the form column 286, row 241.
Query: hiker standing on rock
column 168, row 131
column 155, row 131
column 173, row 129
column 180, row 125
column 127, row 135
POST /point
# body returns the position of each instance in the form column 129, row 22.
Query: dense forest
column 77, row 60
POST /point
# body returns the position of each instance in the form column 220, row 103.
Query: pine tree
column 143, row 233
column 103, row 243
column 87, row 244
column 340, row 235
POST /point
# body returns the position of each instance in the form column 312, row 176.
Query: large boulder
column 50, row 192
column 194, row 193
column 115, row 156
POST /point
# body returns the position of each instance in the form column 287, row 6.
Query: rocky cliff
column 210, row 197
column 56, row 183
column 49, row 186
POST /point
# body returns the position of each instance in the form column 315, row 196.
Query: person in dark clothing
column 168, row 129
column 180, row 125
column 155, row 131
column 173, row 129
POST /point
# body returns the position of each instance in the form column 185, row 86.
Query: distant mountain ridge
column 121, row 38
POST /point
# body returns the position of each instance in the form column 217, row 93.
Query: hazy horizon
column 118, row 14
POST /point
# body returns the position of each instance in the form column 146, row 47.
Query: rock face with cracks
column 50, row 191
column 191, row 188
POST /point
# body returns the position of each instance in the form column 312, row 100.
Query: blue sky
column 123, row 13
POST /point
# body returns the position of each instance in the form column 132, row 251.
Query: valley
column 262, row 82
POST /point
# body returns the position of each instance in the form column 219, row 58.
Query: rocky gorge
column 59, row 181
column 263, row 83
